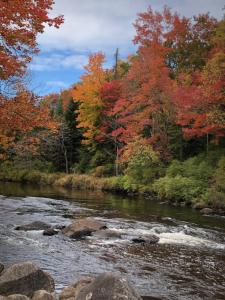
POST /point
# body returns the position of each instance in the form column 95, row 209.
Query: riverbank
column 109, row 184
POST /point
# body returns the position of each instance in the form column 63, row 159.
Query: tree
column 200, row 96
column 87, row 93
column 20, row 23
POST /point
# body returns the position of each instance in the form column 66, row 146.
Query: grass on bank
column 199, row 180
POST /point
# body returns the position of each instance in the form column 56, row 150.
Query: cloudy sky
column 96, row 25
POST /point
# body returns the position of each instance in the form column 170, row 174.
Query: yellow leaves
column 87, row 93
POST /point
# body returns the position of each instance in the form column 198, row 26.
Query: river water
column 187, row 263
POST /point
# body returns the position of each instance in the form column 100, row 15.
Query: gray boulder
column 206, row 211
column 1, row 267
column 151, row 239
column 18, row 297
column 107, row 234
column 71, row 292
column 43, row 295
column 108, row 286
column 37, row 225
column 14, row 297
column 25, row 278
column 83, row 227
column 50, row 232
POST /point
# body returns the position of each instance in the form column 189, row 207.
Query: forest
column 152, row 124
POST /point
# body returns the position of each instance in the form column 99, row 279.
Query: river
column 187, row 263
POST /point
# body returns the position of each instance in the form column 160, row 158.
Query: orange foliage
column 87, row 93
column 20, row 22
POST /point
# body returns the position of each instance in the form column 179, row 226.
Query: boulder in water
column 17, row 297
column 25, row 278
column 1, row 267
column 83, row 227
column 71, row 292
column 43, row 295
column 50, row 232
column 151, row 239
column 37, row 225
column 206, row 211
column 107, row 234
column 108, row 286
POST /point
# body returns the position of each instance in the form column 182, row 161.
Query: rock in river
column 83, row 227
column 107, row 234
column 151, row 239
column 206, row 211
column 17, row 297
column 14, row 297
column 43, row 295
column 108, row 286
column 37, row 225
column 1, row 267
column 50, row 231
column 25, row 278
column 71, row 292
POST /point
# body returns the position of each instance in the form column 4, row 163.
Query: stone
column 71, row 292
column 43, row 295
column 50, row 232
column 151, row 239
column 83, row 227
column 107, row 234
column 25, row 278
column 108, row 286
column 37, row 225
column 18, row 297
column 206, row 211
column 1, row 267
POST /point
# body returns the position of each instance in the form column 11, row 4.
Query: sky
column 96, row 25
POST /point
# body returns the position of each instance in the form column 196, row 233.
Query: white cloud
column 55, row 61
column 93, row 25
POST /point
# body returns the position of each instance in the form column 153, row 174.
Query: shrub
column 215, row 195
column 177, row 188
column 143, row 164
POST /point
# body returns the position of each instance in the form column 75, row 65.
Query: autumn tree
column 87, row 93
column 20, row 23
column 200, row 96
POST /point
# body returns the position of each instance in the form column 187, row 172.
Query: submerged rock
column 18, row 297
column 43, row 295
column 83, row 227
column 37, row 225
column 107, row 234
column 50, row 232
column 14, row 297
column 1, row 267
column 71, row 292
column 151, row 239
column 108, row 286
column 25, row 278
column 206, row 211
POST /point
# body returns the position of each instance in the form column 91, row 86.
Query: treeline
column 156, row 121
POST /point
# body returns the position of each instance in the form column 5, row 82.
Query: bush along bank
column 198, row 182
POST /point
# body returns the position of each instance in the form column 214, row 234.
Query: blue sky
column 96, row 25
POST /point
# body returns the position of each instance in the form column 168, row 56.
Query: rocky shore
column 26, row 281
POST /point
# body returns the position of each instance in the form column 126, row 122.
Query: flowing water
column 187, row 263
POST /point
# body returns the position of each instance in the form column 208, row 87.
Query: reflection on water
column 186, row 264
